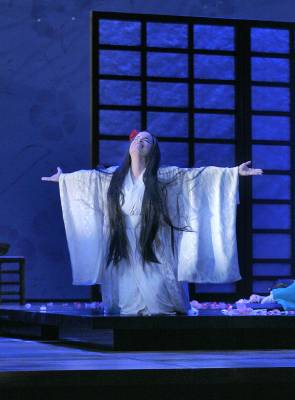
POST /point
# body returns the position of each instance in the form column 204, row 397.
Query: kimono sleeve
column 83, row 196
column 208, row 254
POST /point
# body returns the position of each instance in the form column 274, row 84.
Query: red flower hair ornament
column 133, row 133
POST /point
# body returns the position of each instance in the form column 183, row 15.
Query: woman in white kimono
column 143, row 232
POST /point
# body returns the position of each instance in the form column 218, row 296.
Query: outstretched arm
column 54, row 177
column 245, row 170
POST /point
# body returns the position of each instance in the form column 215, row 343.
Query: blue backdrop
column 44, row 92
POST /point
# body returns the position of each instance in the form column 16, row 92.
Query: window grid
column 190, row 80
column 290, row 232
column 242, row 111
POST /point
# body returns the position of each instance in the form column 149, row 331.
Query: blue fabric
column 285, row 297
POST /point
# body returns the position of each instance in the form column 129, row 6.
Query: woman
column 143, row 232
column 282, row 293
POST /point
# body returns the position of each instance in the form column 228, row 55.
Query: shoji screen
column 215, row 92
column 272, row 148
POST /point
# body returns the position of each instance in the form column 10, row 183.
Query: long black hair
column 154, row 210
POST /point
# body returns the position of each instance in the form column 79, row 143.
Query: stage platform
column 211, row 329
column 65, row 353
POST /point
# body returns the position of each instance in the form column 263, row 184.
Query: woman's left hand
column 245, row 170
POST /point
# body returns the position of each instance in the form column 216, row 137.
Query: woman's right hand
column 53, row 178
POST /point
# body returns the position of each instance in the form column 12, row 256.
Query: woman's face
column 141, row 144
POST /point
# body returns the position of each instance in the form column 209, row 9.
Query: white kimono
column 203, row 199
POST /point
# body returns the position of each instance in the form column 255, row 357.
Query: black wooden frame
column 243, row 140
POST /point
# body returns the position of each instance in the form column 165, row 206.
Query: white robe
column 204, row 199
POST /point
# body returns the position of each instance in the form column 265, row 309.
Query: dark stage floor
column 82, row 359
column 38, row 369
